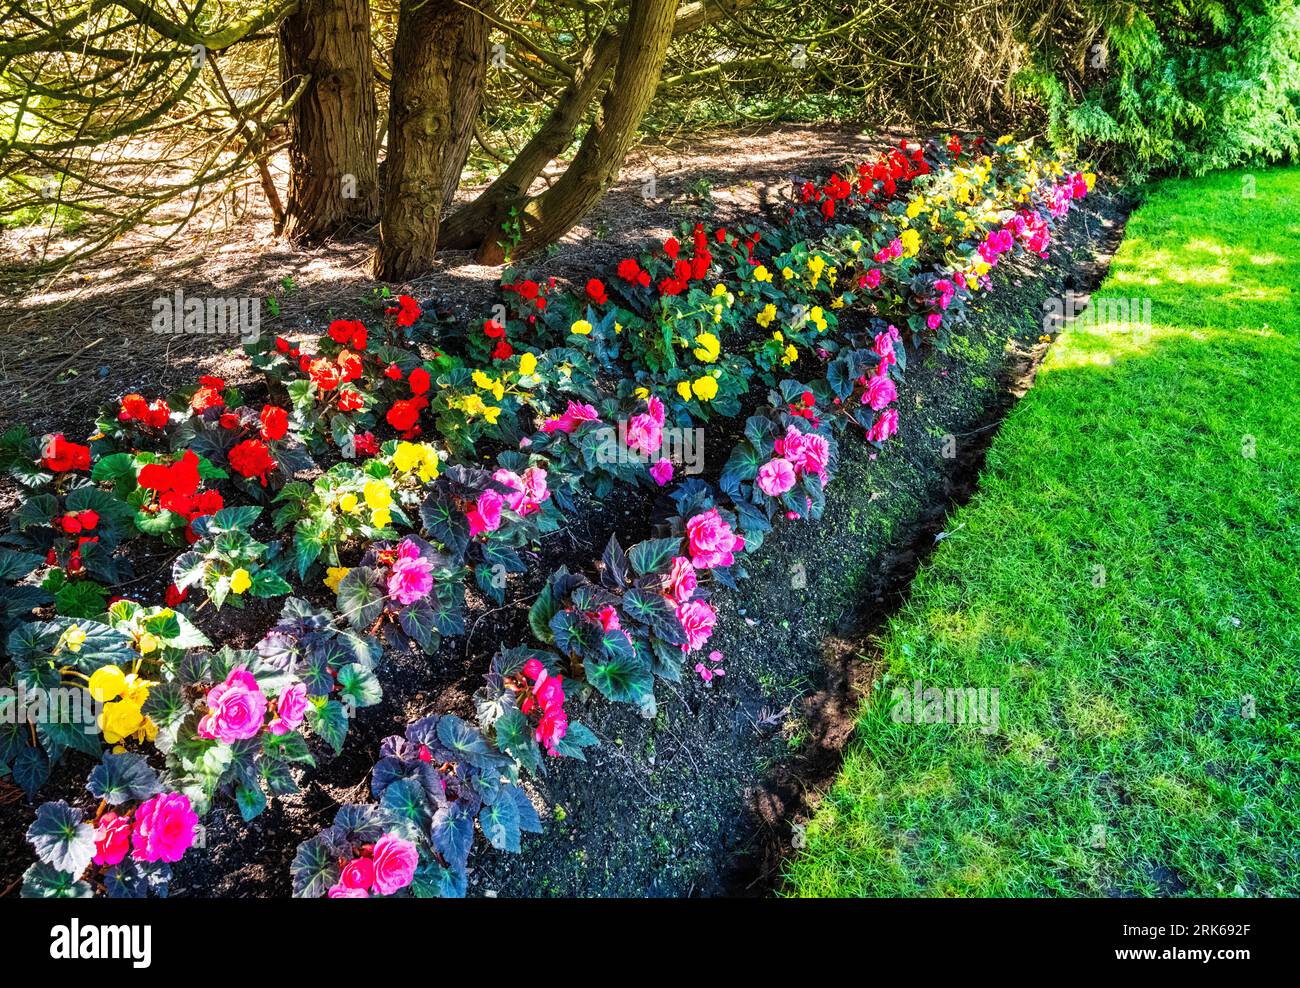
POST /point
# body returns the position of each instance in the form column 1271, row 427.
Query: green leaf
column 419, row 621
column 544, row 608
column 620, row 674
column 576, row 737
column 61, row 837
column 656, row 612
column 330, row 722
column 741, row 466
column 500, row 823
column 653, row 556
column 238, row 519
column 361, row 684
column 42, row 881
column 468, row 742
column 269, row 583
column 251, row 801
column 453, row 833
column 315, row 868
column 124, row 777
column 361, row 597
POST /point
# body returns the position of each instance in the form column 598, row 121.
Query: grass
column 1128, row 579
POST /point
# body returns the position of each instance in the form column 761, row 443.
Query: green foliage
column 1182, row 87
column 1127, row 579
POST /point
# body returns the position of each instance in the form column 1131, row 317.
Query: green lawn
column 1128, row 578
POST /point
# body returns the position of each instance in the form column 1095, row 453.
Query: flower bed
column 571, row 395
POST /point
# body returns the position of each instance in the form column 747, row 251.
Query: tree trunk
column 471, row 225
column 480, row 222
column 595, row 167
column 420, row 133
column 333, row 178
column 468, row 76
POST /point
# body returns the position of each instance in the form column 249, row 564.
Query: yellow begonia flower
column 527, row 364
column 766, row 316
column 381, row 517
column 73, row 638
column 120, row 720
column 148, row 643
column 581, row 327
column 911, row 241
column 137, row 689
column 705, row 388
column 707, row 347
column 787, row 272
column 407, row 456
column 719, row 290
column 334, row 576
column 377, row 494
column 642, row 393
column 107, row 683
column 761, row 273
column 240, row 581
column 349, row 504
column 684, row 390
column 818, row 318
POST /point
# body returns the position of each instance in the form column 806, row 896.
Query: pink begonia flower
column 791, row 446
column 662, row 472
column 290, row 709
column 681, row 579
column 775, row 477
column 880, row 392
column 411, row 577
column 884, row 346
column 644, row 434
column 359, row 873
column 608, row 618
column 697, row 618
column 394, row 861
column 164, row 828
column 934, row 320
column 573, row 416
column 655, row 408
column 872, row 278
column 884, row 426
column 548, row 694
column 112, row 838
column 816, row 456
column 535, row 491
column 236, row 708
column 341, row 891
column 485, row 516
column 528, row 491
column 711, row 540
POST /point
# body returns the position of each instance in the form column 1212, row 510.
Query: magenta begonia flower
column 662, row 471
column 411, row 577
column 290, row 709
column 711, row 540
column 698, row 618
column 394, row 862
column 236, row 708
column 112, row 838
column 164, row 828
column 775, row 477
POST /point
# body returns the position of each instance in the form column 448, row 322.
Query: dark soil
column 700, row 799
